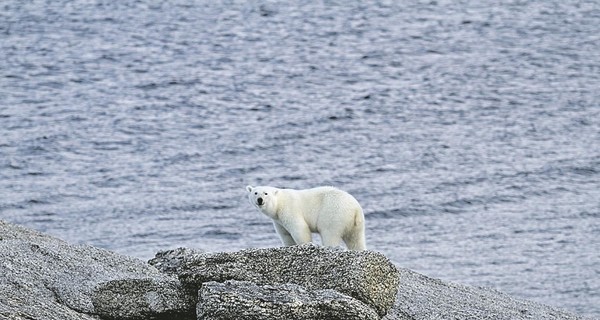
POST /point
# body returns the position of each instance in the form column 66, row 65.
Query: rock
column 43, row 277
column 364, row 275
column 421, row 297
column 246, row 300
column 143, row 299
column 171, row 261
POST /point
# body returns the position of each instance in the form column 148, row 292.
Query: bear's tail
column 355, row 240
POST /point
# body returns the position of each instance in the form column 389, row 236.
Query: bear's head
column 264, row 199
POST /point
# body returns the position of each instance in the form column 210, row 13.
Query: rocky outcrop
column 46, row 278
column 422, row 297
column 143, row 299
column 247, row 300
column 364, row 275
column 42, row 277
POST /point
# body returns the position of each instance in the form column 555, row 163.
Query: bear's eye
column 265, row 193
column 256, row 193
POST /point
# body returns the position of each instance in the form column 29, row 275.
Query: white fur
column 296, row 214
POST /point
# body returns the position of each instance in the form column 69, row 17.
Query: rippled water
column 470, row 133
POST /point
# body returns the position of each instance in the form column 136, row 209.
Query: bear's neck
column 279, row 207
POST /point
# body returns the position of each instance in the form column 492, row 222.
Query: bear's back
column 326, row 196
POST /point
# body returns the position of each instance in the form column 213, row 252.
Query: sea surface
column 469, row 131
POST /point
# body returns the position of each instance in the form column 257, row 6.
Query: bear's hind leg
column 355, row 240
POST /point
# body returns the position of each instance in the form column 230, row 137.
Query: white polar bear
column 333, row 213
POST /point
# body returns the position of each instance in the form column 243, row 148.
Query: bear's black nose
column 260, row 201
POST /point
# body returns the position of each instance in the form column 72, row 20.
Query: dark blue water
column 470, row 133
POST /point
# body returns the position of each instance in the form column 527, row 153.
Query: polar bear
column 333, row 213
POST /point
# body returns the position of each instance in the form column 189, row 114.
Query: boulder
column 421, row 297
column 364, row 275
column 143, row 299
column 173, row 261
column 43, row 277
column 247, row 300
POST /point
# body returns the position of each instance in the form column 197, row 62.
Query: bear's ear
column 249, row 188
column 275, row 192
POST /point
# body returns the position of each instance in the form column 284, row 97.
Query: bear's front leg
column 285, row 236
column 299, row 231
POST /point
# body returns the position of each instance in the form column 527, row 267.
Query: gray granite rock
column 364, row 275
column 421, row 297
column 43, row 277
column 143, row 299
column 246, row 300
column 173, row 261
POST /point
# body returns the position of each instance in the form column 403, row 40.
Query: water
column 469, row 133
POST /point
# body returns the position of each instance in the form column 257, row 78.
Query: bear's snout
column 259, row 201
